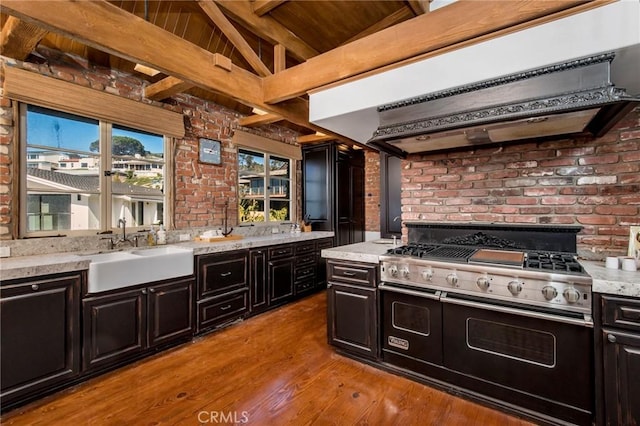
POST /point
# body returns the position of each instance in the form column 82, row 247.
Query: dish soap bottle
column 151, row 237
column 162, row 236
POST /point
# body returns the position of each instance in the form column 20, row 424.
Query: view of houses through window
column 75, row 177
column 257, row 172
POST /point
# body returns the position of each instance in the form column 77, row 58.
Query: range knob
column 483, row 282
column 515, row 287
column 549, row 292
column 452, row 279
column 571, row 295
column 393, row 270
column 405, row 273
column 427, row 274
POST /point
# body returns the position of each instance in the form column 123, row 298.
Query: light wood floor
column 274, row 369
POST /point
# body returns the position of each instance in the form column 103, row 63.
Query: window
column 82, row 175
column 264, row 187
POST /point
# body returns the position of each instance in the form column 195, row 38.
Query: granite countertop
column 612, row 281
column 30, row 266
column 367, row 252
column 608, row 281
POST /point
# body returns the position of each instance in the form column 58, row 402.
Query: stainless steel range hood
column 570, row 98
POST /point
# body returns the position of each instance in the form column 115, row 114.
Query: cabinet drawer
column 305, row 259
column 621, row 312
column 304, row 286
column 303, row 248
column 324, row 244
column 220, row 309
column 353, row 273
column 220, row 274
column 304, row 272
column 280, row 252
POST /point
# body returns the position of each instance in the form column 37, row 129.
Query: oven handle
column 586, row 322
column 425, row 295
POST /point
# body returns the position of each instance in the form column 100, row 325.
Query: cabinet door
column 258, row 291
column 317, row 186
column 352, row 319
column 321, row 263
column 114, row 327
column 170, row 311
column 280, row 280
column 622, row 373
column 40, row 334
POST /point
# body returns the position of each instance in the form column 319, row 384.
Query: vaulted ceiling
column 265, row 54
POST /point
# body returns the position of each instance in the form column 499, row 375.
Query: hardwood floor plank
column 275, row 369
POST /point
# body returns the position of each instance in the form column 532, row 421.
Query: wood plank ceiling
column 260, row 55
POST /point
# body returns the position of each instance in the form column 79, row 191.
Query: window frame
column 105, row 129
column 267, row 180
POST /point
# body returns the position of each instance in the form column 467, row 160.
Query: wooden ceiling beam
column 279, row 58
column 267, row 28
column 262, row 7
column 166, row 88
column 419, row 7
column 454, row 26
column 19, row 38
column 215, row 14
column 259, row 120
column 316, row 137
column 106, row 27
column 396, row 17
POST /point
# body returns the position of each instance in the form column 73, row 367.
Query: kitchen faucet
column 133, row 241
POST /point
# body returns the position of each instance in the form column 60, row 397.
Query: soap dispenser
column 162, row 236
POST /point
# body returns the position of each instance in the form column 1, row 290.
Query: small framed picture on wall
column 210, row 151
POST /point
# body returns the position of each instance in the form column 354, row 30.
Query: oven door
column 537, row 353
column 411, row 323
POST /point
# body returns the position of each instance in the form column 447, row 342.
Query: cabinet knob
column 144, row 291
column 611, row 338
column 152, row 290
column 35, row 287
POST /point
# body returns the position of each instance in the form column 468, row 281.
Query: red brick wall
column 372, row 191
column 590, row 182
column 200, row 189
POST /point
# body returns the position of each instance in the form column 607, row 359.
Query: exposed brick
column 557, row 219
column 573, row 209
column 510, row 183
column 575, row 171
column 617, row 210
column 582, row 190
column 521, row 200
column 630, row 145
column 597, row 180
column 560, row 200
column 536, row 210
column 596, row 220
column 600, row 159
column 575, row 152
column 538, row 192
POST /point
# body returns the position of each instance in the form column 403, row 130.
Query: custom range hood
column 571, row 98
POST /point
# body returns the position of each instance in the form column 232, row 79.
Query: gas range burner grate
column 452, row 253
column 556, row 262
column 412, row 249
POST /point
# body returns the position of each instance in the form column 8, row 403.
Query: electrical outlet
column 275, row 230
column 5, row 251
column 185, row 237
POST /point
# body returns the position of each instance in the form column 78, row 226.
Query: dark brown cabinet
column 281, row 274
column 122, row 325
column 333, row 191
column 352, row 304
column 40, row 335
column 390, row 190
column 258, row 291
column 620, row 368
column 223, row 288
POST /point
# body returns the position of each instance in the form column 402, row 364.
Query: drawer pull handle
column 349, row 274
column 224, row 308
column 281, row 252
column 35, row 287
column 611, row 338
column 225, row 274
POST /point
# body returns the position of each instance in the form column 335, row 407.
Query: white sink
column 110, row 271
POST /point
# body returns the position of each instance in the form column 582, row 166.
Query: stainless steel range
column 538, row 278
column 500, row 310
